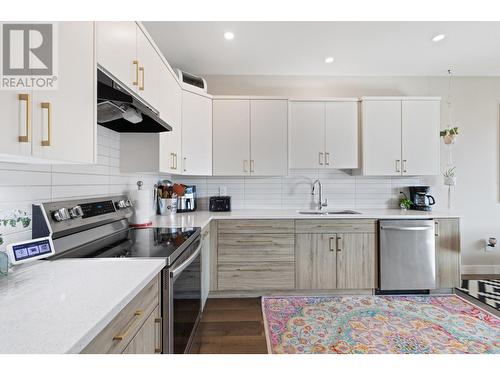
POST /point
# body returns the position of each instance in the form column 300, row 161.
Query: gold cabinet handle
column 48, row 107
column 252, row 165
column 160, row 349
column 436, row 228
column 332, row 248
column 245, row 166
column 172, row 160
column 338, row 244
column 137, row 318
column 26, row 98
column 327, row 158
column 184, row 164
column 141, row 70
column 398, row 169
column 320, row 158
column 136, row 63
column 404, row 166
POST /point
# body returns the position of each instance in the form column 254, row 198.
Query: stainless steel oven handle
column 407, row 228
column 176, row 271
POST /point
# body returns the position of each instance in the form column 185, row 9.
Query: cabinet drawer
column 237, row 248
column 256, row 226
column 148, row 340
column 117, row 335
column 336, row 226
column 257, row 276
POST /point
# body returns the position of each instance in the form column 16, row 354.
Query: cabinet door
column 307, row 135
column 420, row 135
column 150, row 67
column 382, row 138
column 356, row 262
column 117, row 50
column 196, row 134
column 64, row 123
column 17, row 123
column 315, row 261
column 170, row 108
column 268, row 137
column 341, row 140
column 447, row 253
column 231, row 137
column 205, row 266
column 148, row 339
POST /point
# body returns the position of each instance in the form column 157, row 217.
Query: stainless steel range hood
column 122, row 110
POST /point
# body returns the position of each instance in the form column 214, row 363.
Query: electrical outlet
column 222, row 191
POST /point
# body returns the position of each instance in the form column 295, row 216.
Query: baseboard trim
column 260, row 293
column 481, row 269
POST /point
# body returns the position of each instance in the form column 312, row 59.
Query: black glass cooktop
column 166, row 243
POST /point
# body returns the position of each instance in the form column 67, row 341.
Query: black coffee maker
column 421, row 200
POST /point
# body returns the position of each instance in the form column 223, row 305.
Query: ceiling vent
column 192, row 80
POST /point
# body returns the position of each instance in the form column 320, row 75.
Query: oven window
column 187, row 304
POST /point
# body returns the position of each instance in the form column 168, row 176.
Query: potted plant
column 449, row 135
column 450, row 177
column 404, row 202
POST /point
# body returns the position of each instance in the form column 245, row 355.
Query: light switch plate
column 222, row 191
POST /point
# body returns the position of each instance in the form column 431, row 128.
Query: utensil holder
column 167, row 206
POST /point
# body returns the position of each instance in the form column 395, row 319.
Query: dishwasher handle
column 405, row 228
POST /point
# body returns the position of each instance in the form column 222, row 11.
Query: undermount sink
column 327, row 212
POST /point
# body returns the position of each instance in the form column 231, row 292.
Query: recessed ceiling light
column 228, row 35
column 329, row 60
column 438, row 38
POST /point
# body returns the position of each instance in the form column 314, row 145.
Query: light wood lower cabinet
column 255, row 255
column 447, row 253
column 136, row 329
column 335, row 261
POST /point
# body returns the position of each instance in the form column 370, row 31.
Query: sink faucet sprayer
column 321, row 204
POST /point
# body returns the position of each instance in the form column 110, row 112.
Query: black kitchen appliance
column 220, row 204
column 99, row 228
column 187, row 202
column 421, row 200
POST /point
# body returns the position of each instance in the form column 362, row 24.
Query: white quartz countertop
column 60, row 306
column 202, row 218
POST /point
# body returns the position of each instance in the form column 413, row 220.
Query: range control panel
column 65, row 216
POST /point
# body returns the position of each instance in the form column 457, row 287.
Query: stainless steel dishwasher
column 407, row 255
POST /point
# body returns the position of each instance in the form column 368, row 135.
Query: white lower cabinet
column 323, row 134
column 400, row 136
column 196, row 134
column 55, row 125
column 249, row 137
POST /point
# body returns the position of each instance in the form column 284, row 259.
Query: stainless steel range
column 99, row 228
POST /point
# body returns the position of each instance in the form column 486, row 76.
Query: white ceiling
column 359, row 48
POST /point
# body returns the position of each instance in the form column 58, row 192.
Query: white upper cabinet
column 56, row 125
column 382, row 138
column 170, row 111
column 341, row 135
column 323, row 134
column 231, row 137
column 268, row 141
column 420, row 137
column 400, row 136
column 65, row 127
column 117, row 50
column 196, row 134
column 150, row 68
column 307, row 135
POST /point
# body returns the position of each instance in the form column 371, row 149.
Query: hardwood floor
column 231, row 326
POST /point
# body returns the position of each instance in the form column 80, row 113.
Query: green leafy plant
column 404, row 202
column 450, row 172
column 1, row 239
column 449, row 132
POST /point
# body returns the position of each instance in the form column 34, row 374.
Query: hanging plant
column 449, row 135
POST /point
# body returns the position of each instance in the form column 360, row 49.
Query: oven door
column 182, row 300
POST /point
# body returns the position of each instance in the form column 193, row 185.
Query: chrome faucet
column 321, row 204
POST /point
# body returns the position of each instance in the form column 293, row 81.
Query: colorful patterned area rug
column 378, row 324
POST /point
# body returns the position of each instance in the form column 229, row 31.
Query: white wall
column 24, row 184
column 476, row 103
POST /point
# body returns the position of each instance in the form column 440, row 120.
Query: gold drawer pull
column 48, row 107
column 160, row 349
column 141, row 87
column 331, row 244
column 137, row 318
column 26, row 98
column 339, row 244
column 136, row 63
